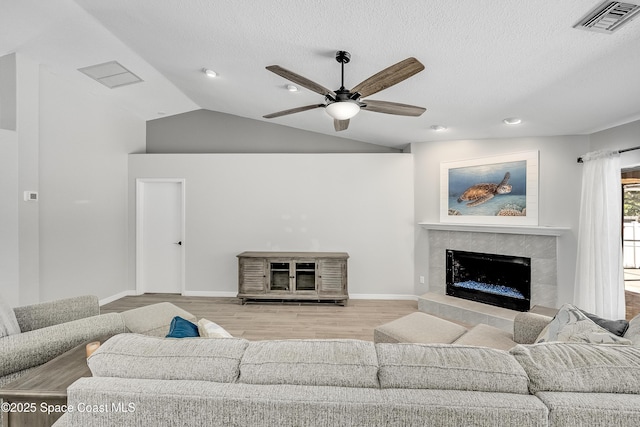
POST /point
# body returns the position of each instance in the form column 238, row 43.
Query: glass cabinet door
column 305, row 276
column 280, row 276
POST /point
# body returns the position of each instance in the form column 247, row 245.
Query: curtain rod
column 619, row 151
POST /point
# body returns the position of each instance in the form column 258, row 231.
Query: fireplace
column 500, row 280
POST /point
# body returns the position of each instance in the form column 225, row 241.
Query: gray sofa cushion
column 342, row 363
column 449, row 367
column 592, row 409
column 202, row 403
column 154, row 319
column 527, row 326
column 50, row 313
column 418, row 327
column 139, row 356
column 487, row 336
column 580, row 367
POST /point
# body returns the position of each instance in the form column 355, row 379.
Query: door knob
column 178, row 243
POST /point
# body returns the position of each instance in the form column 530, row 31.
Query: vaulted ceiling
column 485, row 60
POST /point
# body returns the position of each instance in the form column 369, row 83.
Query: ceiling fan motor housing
column 343, row 57
column 343, row 95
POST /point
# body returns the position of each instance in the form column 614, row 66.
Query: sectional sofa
column 48, row 329
column 141, row 380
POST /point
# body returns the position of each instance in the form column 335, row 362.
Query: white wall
column 9, row 240
column 28, row 116
column 84, row 146
column 8, row 92
column 357, row 203
column 559, row 188
column 9, row 277
column 205, row 131
column 617, row 138
column 19, row 164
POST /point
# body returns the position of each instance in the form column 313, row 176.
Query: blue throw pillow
column 182, row 328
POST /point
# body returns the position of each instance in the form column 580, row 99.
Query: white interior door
column 160, row 236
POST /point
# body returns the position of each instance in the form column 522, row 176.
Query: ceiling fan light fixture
column 342, row 110
column 292, row 88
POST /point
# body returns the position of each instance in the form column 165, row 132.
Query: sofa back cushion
column 449, row 367
column 580, row 367
column 341, row 363
column 145, row 357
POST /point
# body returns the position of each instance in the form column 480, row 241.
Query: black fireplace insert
column 500, row 280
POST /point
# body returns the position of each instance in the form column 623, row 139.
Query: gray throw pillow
column 618, row 327
column 8, row 322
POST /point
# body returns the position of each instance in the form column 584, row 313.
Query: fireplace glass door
column 500, row 280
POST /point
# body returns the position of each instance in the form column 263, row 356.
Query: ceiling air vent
column 111, row 74
column 608, row 17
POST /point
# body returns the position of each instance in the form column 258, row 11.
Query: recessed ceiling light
column 512, row 121
column 438, row 128
column 292, row 88
column 209, row 73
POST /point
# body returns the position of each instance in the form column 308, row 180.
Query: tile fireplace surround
column 537, row 243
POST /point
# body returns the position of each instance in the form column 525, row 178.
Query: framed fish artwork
column 493, row 190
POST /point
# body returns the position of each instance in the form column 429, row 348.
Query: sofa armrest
column 527, row 327
column 33, row 348
column 36, row 316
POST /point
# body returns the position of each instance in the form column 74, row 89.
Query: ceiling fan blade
column 340, row 124
column 393, row 108
column 389, row 77
column 302, row 81
column 292, row 111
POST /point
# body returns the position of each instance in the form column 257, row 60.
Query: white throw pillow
column 572, row 325
column 8, row 322
column 209, row 329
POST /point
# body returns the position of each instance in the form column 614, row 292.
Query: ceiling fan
column 343, row 104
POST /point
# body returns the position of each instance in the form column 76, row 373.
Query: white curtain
column 599, row 286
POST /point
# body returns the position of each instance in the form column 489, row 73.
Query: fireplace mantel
column 539, row 230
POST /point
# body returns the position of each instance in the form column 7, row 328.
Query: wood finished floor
column 262, row 321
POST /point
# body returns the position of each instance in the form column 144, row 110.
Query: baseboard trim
column 222, row 294
column 219, row 294
column 115, row 297
column 226, row 294
column 384, row 296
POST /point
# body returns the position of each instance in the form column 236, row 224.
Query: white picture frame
column 470, row 190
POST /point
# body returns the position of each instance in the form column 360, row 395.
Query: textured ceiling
column 485, row 60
